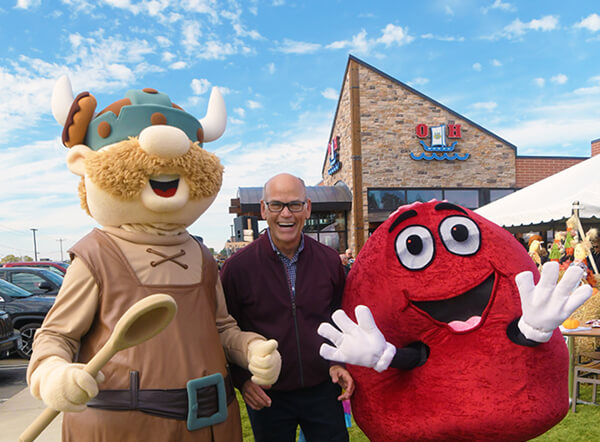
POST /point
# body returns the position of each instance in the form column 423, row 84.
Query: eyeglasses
column 293, row 206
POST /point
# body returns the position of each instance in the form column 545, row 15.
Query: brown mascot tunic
column 190, row 347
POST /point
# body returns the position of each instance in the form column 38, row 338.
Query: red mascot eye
column 460, row 235
column 415, row 247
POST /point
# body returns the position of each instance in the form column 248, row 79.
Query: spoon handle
column 38, row 425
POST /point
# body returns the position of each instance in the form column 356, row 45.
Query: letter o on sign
column 421, row 130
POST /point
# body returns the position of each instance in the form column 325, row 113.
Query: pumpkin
column 571, row 323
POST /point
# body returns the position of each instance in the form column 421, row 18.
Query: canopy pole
column 576, row 208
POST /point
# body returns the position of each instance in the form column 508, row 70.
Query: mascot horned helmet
column 141, row 158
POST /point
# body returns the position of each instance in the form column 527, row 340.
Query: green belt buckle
column 193, row 421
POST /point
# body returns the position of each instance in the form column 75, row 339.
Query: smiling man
column 282, row 285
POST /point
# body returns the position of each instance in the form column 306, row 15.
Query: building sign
column 333, row 153
column 438, row 150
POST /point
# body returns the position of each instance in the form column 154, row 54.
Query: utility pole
column 34, row 244
column 60, row 240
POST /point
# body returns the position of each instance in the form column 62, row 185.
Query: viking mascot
column 145, row 178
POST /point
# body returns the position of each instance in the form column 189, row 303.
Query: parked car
column 26, row 310
column 10, row 339
column 34, row 280
column 58, row 267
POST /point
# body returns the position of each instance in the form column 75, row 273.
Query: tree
column 13, row 258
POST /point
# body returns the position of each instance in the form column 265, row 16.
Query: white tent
column 550, row 200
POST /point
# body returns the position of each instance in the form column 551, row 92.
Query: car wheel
column 27, row 334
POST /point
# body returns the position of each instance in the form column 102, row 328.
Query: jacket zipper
column 293, row 298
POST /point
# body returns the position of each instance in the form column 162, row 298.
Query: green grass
column 581, row 426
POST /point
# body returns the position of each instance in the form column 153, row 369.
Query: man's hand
column 339, row 375
column 255, row 396
column 359, row 344
column 546, row 305
column 64, row 386
column 264, row 361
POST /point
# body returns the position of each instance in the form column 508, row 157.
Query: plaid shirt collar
column 294, row 258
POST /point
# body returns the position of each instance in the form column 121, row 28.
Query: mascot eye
column 415, row 247
column 460, row 235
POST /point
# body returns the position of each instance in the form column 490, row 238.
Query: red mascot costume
column 465, row 324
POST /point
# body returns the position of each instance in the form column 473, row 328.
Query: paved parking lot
column 17, row 407
column 12, row 377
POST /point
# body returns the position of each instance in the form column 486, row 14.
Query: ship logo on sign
column 438, row 150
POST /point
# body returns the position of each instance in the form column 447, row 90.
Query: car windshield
column 56, row 279
column 8, row 289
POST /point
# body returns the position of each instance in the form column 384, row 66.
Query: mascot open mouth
column 463, row 312
column 164, row 186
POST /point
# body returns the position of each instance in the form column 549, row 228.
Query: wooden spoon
column 142, row 321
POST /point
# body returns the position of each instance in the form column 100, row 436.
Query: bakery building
column 391, row 145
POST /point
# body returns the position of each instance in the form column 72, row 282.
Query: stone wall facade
column 389, row 114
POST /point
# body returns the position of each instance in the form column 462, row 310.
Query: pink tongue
column 465, row 325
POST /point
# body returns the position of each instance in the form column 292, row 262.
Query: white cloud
column 236, row 121
column 200, row 86
column 476, row 67
column 485, row 106
column 26, row 4
column 517, row 28
column 240, row 111
column 430, row 36
column 498, row 4
column 330, row 94
column 547, row 23
column 418, row 81
column 163, row 42
column 559, row 79
column 178, row 65
column 448, row 10
column 298, row 47
column 253, row 104
column 191, row 35
column 394, row 35
column 539, row 82
column 361, row 45
column 271, row 68
column 591, row 23
column 167, row 56
column 496, row 63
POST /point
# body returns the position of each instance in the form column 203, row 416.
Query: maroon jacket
column 258, row 296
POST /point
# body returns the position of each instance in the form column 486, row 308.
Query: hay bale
column 589, row 310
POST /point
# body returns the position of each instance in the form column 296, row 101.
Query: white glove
column 546, row 305
column 264, row 361
column 359, row 344
column 64, row 386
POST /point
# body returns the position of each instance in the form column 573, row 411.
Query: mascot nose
column 164, row 141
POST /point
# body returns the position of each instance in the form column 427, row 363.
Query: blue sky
column 527, row 71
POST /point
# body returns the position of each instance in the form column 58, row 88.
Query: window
column 424, row 195
column 27, row 281
column 468, row 198
column 386, row 200
column 328, row 228
column 499, row 193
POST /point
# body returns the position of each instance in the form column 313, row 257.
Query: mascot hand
column 359, row 344
column 64, row 386
column 546, row 305
column 264, row 361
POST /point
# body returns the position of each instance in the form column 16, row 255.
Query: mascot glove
column 64, row 386
column 547, row 304
column 264, row 361
column 358, row 344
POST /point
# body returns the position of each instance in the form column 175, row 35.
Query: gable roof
column 410, row 89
